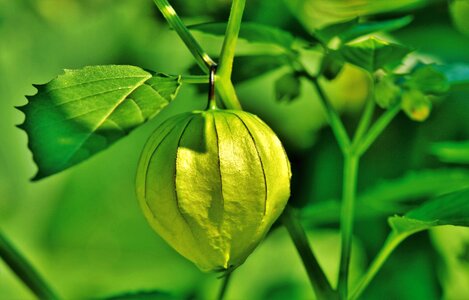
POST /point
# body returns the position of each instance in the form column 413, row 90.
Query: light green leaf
column 452, row 152
column 386, row 92
column 429, row 80
column 252, row 32
column 350, row 30
column 82, row 112
column 373, row 54
column 288, row 87
column 449, row 209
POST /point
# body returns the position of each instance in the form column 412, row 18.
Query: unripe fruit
column 212, row 183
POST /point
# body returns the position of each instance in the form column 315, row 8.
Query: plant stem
column 378, row 128
column 227, row 91
column 366, row 117
column 224, row 286
column 337, row 126
column 318, row 279
column 391, row 243
column 203, row 59
column 231, row 37
column 23, row 269
column 346, row 219
column 195, row 79
column 224, row 85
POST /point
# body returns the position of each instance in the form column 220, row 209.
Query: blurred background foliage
column 83, row 228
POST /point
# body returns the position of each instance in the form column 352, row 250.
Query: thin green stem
column 227, row 93
column 224, row 86
column 318, row 279
column 224, row 286
column 391, row 243
column 24, row 270
column 378, row 128
column 366, row 117
column 231, row 37
column 346, row 219
column 337, row 126
column 203, row 59
column 195, row 79
column 226, row 89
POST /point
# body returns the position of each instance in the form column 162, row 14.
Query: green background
column 83, row 229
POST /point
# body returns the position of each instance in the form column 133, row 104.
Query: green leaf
column 452, row 152
column 361, row 29
column 449, row 209
column 393, row 196
column 386, row 92
column 287, row 87
column 249, row 67
column 373, row 54
column 352, row 29
column 82, row 112
column 327, row 33
column 456, row 74
column 429, row 80
column 252, row 32
column 416, row 105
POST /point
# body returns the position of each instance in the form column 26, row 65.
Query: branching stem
column 202, row 58
column 335, row 122
column 224, row 85
column 391, row 243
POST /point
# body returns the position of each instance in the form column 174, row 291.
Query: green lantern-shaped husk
column 212, row 183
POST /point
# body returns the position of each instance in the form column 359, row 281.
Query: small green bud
column 416, row 105
column 212, row 184
column 386, row 92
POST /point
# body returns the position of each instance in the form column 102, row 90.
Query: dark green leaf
column 350, row 30
column 146, row 295
column 452, row 152
column 287, row 87
column 252, row 32
column 82, row 112
column 373, row 54
column 457, row 74
column 393, row 196
column 331, row 65
column 249, row 67
column 361, row 29
column 428, row 80
column 449, row 209
column 328, row 32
